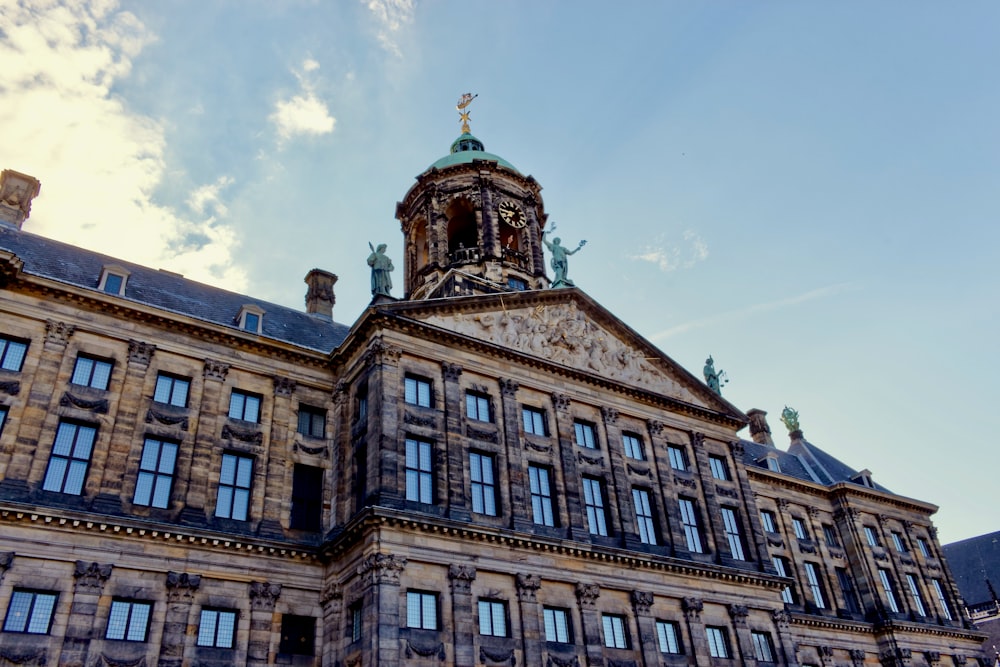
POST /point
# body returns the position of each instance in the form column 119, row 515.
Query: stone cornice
column 864, row 628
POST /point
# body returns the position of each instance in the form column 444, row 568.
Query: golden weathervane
column 464, row 102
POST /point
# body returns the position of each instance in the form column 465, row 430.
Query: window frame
column 781, row 566
column 4, row 410
column 71, row 467
column 237, row 490
column 356, row 619
column 127, row 628
column 239, row 401
column 306, row 512
column 645, row 518
column 476, row 404
column 718, row 641
column 419, row 481
column 541, row 499
column 20, row 353
column 719, row 468
column 615, row 631
column 585, row 434
column 555, row 613
column 422, row 598
column 418, row 391
column 898, row 543
column 885, row 579
column 924, row 548
column 30, row 626
column 872, row 536
column 768, row 521
column 493, row 618
column 848, row 590
column 174, row 381
column 734, row 533
column 96, row 363
column 157, row 474
column 669, row 642
column 217, row 639
column 595, row 506
column 678, row 458
column 633, row 445
column 763, row 646
column 919, row 607
column 534, row 421
column 799, row 528
column 483, row 484
column 308, row 418
column 691, row 524
column 251, row 318
column 815, row 582
column 830, row 535
column 942, row 599
column 298, row 623
column 113, row 271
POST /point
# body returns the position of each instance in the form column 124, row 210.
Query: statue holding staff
column 381, row 267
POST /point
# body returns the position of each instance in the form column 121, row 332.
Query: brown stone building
column 489, row 472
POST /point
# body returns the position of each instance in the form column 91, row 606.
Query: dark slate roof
column 82, row 268
column 972, row 562
column 803, row 460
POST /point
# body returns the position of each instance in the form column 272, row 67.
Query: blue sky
column 806, row 191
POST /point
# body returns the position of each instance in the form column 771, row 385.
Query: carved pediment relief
column 565, row 334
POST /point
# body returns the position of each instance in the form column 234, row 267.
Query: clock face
column 512, row 214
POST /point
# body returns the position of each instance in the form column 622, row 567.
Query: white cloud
column 684, row 255
column 303, row 114
column 98, row 161
column 390, row 15
column 207, row 197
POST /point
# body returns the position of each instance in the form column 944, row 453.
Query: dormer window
column 864, row 478
column 113, row 279
column 251, row 318
column 771, row 461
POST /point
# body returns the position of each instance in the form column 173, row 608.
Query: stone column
column 744, row 642
column 786, row 643
column 453, row 475
column 756, row 537
column 87, row 590
column 210, row 416
column 590, row 617
column 714, row 532
column 532, row 637
column 619, row 489
column 381, row 574
column 534, row 235
column 520, row 499
column 463, row 615
column 491, row 242
column 278, row 480
column 670, row 520
column 262, row 598
column 24, row 466
column 696, row 630
column 181, row 588
column 123, row 434
column 386, row 447
column 642, row 603
column 332, row 600
column 576, row 524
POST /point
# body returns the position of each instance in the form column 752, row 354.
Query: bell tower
column 472, row 224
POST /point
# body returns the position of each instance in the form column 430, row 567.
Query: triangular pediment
column 566, row 327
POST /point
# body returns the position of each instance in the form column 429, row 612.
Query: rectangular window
column 217, row 628
column 307, row 498
column 924, row 549
column 362, row 402
column 298, row 635
column 633, row 446
column 419, row 474
column 918, row 599
column 3, row 417
column 593, row 496
column 91, row 372
column 356, row 619
column 312, row 421
column 799, row 527
column 516, row 284
column 244, row 406
column 128, row 621
column 733, row 533
column 942, row 600
column 421, row 610
column 782, row 568
column 678, row 457
column 614, row 631
column 172, row 390
column 644, row 516
column 541, row 496
column 484, row 490
column 417, row 391
column 30, row 612
column 872, row 537
column 718, row 642
column 477, row 406
column 897, row 541
column 692, row 529
column 556, row 625
column 772, row 464
column 890, row 593
column 70, row 458
column 719, row 468
column 12, row 354
column 534, row 420
column 668, row 637
column 815, row 586
column 113, row 283
column 492, row 618
column 763, row 648
column 585, row 436
column 830, row 535
column 768, row 520
column 156, row 473
column 847, row 590
column 235, row 477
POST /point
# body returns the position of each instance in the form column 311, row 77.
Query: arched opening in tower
column 463, row 232
column 511, row 241
column 420, row 247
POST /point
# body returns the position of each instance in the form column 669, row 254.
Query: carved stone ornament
column 527, row 586
column 497, row 656
column 781, row 618
column 155, row 416
column 560, row 402
column 332, row 592
column 590, row 460
column 98, row 406
column 737, row 448
column 697, row 439
column 12, row 388
column 544, row 449
column 621, row 663
column 6, row 558
column 556, row 661
column 140, row 353
column 932, row 657
column 380, row 352
column 461, row 577
column 509, row 387
column 857, row 656
column 739, row 613
column 10, row 266
column 812, row 511
column 655, row 427
column 783, row 504
column 382, row 568
column 684, row 481
column 728, row 493
column 263, row 595
column 450, row 371
column 250, row 436
column 610, row 415
column 90, row 577
column 960, row 658
column 418, row 420
column 58, row 333
column 642, row 601
column 424, row 650
column 182, row 586
column 482, row 434
column 312, row 451
column 807, row 546
column 36, row 658
column 774, row 539
column 825, row 651
column 587, row 594
column 565, row 335
column 639, row 472
column 283, row 387
column 17, row 190
column 215, row 370
column 692, row 607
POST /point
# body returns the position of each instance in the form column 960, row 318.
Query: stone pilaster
column 212, row 415
column 696, row 629
column 277, row 503
column 715, row 534
column 756, row 539
column 532, row 636
column 786, row 643
column 744, row 642
column 386, row 455
column 463, row 615
column 453, row 474
column 332, row 601
column 586, row 597
column 642, row 603
column 488, row 224
column 670, row 520
column 181, row 588
column 87, row 590
column 566, row 438
column 533, row 235
column 520, row 498
column 263, row 596
column 619, row 489
column 380, row 573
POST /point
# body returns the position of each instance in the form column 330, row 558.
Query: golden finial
column 463, row 115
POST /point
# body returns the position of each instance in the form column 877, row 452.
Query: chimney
column 760, row 432
column 319, row 296
column 16, row 192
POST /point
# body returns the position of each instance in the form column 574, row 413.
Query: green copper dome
column 467, row 148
